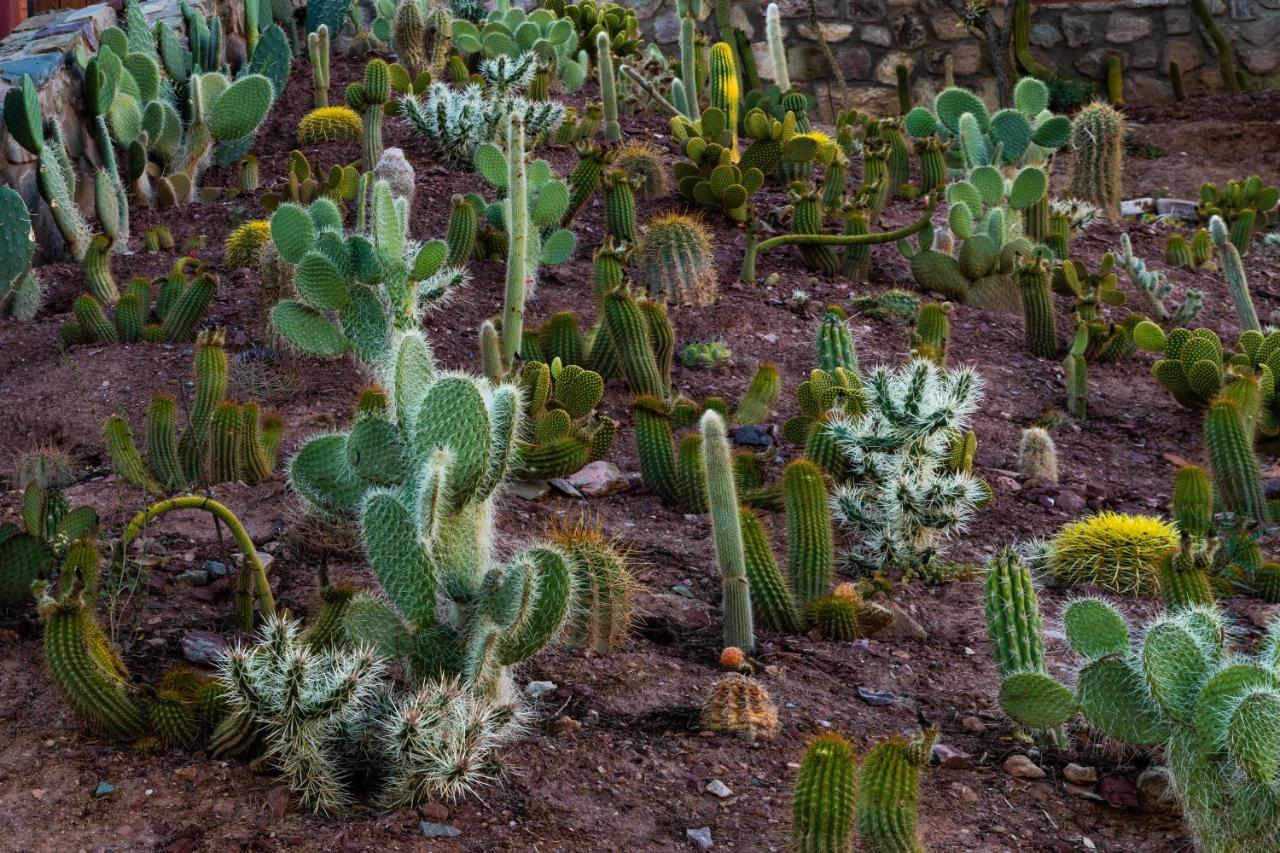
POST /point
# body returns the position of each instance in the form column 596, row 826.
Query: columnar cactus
column 370, row 99
column 835, row 343
column 1097, row 136
column 1228, row 436
column 825, row 794
column 604, row 598
column 722, row 499
column 647, row 168
column 184, row 296
column 931, row 334
column 1037, row 456
column 620, row 206
column 1037, row 308
column 888, row 792
column 608, row 88
column 725, row 94
column 1233, row 269
column 777, row 47
column 1184, row 572
column 318, row 53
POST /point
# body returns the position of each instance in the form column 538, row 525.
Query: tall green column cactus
column 932, row 332
column 722, row 500
column 1115, row 80
column 1233, row 269
column 516, row 210
column 807, row 219
column 1222, row 47
column 835, row 342
column 1037, row 308
column 1236, row 471
column 686, row 94
column 888, row 792
column 1097, row 135
column 777, row 47
column 608, row 88
column 318, row 52
column 725, row 95
column 620, row 207
column 370, row 99
column 825, row 794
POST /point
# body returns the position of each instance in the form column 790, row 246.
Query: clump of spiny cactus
column 905, row 464
column 825, row 796
column 1185, row 572
column 703, row 355
column 1097, row 136
column 179, row 306
column 224, row 441
column 646, row 166
column 330, row 124
column 304, row 183
column 244, row 244
column 675, row 259
column 844, row 615
column 49, row 528
column 824, row 396
column 604, row 590
column 1174, row 685
column 1037, row 456
column 421, row 36
column 741, row 706
column 1114, row 551
column 889, row 790
column 1242, row 205
column 561, row 432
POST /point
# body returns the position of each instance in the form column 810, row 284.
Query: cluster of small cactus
column 224, row 441
column 703, row 355
column 304, row 183
column 829, row 794
column 561, row 433
column 1194, row 256
column 49, row 528
column 183, row 297
column 1243, row 206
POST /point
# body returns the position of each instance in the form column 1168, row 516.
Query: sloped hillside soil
column 615, row 759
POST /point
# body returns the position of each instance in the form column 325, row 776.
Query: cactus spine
column 722, row 499
column 318, row 53
column 608, row 88
column 825, row 794
column 1097, row 135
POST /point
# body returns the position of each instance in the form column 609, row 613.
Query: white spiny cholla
column 902, row 494
column 302, row 700
column 331, row 717
column 460, row 121
column 1083, row 214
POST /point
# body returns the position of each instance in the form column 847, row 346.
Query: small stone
column 1007, row 484
column 902, row 626
column 565, row 487
column 278, row 801
column 437, row 812
column 950, row 759
column 974, row 725
column 1118, row 791
column 1079, row 774
column 681, row 589
column 195, row 577
column 1083, row 792
column 1021, row 767
column 719, row 789
column 203, row 647
column 1156, row 791
column 1069, row 501
column 1136, row 206
column 529, row 490
column 104, row 789
column 751, row 436
column 1087, row 842
column 599, row 479
column 215, row 568
column 566, row 725
column 701, row 837
column 438, row 830
column 963, row 792
column 539, row 690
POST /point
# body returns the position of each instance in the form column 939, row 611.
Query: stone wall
column 870, row 37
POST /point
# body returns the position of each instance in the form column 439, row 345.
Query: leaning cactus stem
column 722, row 498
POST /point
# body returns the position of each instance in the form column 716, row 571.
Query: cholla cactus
column 460, row 121
column 1213, row 710
column 904, row 488
column 305, row 701
column 1155, row 287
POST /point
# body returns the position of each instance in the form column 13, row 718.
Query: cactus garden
column 478, row 426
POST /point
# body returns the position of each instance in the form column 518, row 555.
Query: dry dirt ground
column 633, row 775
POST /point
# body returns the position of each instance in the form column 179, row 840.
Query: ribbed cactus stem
column 1175, row 80
column 1192, row 502
column 811, row 548
column 1097, row 135
column 1233, row 269
column 97, row 271
column 1037, row 309
column 825, row 794
column 1115, row 80
column 887, row 795
column 517, row 216
column 620, row 207
column 1013, row 615
column 1236, row 471
column 777, row 47
column 688, row 88
column 722, row 500
column 318, row 52
column 608, row 88
column 1221, row 46
column 724, row 90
